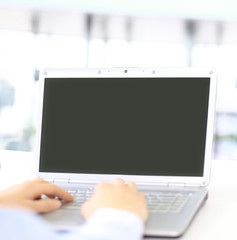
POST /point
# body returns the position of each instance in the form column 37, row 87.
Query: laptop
column 148, row 125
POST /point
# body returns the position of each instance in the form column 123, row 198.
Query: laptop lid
column 151, row 126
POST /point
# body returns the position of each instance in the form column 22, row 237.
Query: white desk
column 217, row 220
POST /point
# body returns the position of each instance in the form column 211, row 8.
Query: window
column 120, row 42
column 221, row 57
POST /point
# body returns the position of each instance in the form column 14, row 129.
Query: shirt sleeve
column 105, row 224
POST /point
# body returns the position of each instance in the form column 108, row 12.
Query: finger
column 132, row 185
column 50, row 189
column 41, row 180
column 52, row 196
column 44, row 205
column 118, row 181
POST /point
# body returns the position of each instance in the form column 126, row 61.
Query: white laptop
column 150, row 126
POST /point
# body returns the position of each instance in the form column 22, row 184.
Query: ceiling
column 191, row 9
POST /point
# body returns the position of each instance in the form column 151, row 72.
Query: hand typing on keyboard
column 41, row 196
column 116, row 195
column 29, row 195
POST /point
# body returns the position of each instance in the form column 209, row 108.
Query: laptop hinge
column 184, row 185
column 170, row 184
column 73, row 181
column 48, row 179
column 60, row 180
column 193, row 185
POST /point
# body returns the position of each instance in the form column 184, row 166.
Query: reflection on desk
column 215, row 220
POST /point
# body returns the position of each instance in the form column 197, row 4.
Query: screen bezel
column 131, row 73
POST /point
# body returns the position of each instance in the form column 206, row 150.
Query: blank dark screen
column 138, row 126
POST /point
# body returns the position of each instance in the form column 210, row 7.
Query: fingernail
column 57, row 203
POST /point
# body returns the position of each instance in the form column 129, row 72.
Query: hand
column 29, row 195
column 116, row 195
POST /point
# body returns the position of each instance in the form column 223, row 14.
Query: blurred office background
column 38, row 34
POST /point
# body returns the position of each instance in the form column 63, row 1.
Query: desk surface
column 215, row 220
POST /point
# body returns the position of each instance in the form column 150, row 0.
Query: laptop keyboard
column 166, row 202
column 80, row 196
column 158, row 202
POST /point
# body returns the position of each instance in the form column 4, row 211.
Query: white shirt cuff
column 114, row 224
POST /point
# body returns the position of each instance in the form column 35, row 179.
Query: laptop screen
column 131, row 126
